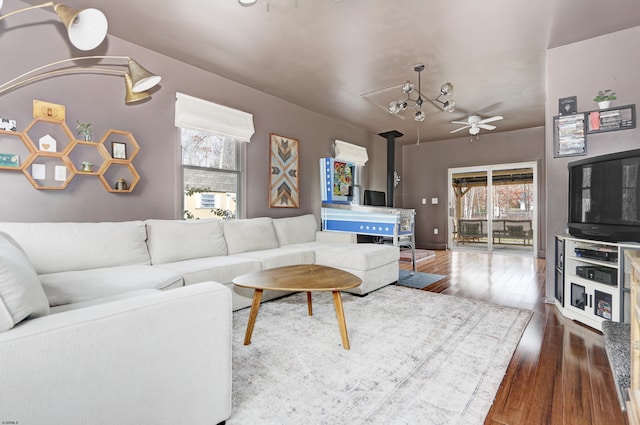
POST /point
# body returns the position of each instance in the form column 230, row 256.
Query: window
column 211, row 174
column 212, row 139
column 205, row 200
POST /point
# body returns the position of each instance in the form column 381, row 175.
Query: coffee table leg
column 337, row 301
column 255, row 305
column 309, row 304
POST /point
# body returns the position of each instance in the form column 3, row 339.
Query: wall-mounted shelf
column 15, row 150
column 612, row 119
column 569, row 138
column 50, row 157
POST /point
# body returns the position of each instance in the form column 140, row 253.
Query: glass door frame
column 489, row 169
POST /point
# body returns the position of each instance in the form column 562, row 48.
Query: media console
column 590, row 284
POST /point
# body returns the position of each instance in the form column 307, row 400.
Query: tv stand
column 589, row 284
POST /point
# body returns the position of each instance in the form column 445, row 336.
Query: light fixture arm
column 6, row 86
column 419, row 68
column 15, row 12
column 130, row 95
column 142, row 79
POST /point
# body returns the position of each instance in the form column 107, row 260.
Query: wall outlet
column 424, row 201
column 435, row 230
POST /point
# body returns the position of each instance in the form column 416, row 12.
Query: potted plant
column 86, row 166
column 84, row 131
column 604, row 98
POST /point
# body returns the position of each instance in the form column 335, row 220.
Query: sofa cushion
column 219, row 269
column 102, row 300
column 280, row 257
column 251, row 234
column 56, row 247
column 298, row 229
column 21, row 294
column 176, row 240
column 83, row 285
column 362, row 256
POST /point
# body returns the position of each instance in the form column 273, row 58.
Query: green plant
column 84, row 130
column 604, row 95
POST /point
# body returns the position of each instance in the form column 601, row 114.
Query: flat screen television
column 604, row 197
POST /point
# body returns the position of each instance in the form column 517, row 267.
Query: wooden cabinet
column 589, row 280
column 633, row 405
column 50, row 157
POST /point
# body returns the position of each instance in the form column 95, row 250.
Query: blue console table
column 395, row 223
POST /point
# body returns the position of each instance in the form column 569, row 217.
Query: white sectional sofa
column 127, row 321
column 77, row 262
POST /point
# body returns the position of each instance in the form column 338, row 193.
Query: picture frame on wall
column 118, row 150
column 284, row 161
column 568, row 105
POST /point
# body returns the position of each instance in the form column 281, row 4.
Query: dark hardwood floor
column 559, row 373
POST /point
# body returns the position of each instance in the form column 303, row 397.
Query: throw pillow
column 21, row 293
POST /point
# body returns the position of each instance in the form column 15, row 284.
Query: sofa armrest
column 336, row 237
column 161, row 358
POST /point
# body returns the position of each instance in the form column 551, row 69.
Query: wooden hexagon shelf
column 49, row 171
column 82, row 151
column 18, row 148
column 116, row 170
column 41, row 128
column 50, row 157
column 122, row 137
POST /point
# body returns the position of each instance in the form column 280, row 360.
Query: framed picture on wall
column 118, row 150
column 284, row 189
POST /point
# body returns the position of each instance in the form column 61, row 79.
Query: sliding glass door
column 493, row 208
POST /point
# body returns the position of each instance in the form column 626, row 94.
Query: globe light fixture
column 408, row 88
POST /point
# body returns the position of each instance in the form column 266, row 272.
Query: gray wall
column 35, row 38
column 581, row 69
column 424, row 174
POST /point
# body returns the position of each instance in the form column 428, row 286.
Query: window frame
column 238, row 172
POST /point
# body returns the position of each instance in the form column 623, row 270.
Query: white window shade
column 199, row 114
column 349, row 152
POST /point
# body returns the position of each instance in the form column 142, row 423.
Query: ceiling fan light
column 446, row 88
column 474, row 130
column 420, row 115
column 407, row 87
column 247, row 2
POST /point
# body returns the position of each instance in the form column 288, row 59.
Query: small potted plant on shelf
column 84, row 131
column 86, row 166
column 604, row 98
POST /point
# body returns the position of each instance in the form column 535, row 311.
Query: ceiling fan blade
column 491, row 119
column 487, row 126
column 460, row 122
column 461, row 128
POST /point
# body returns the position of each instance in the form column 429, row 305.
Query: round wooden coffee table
column 308, row 278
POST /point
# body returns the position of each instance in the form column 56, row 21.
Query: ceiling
column 347, row 58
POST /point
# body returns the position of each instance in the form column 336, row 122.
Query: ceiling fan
column 474, row 123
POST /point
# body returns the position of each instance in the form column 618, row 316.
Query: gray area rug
column 417, row 280
column 416, row 358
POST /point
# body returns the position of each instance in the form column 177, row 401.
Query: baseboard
column 437, row 246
